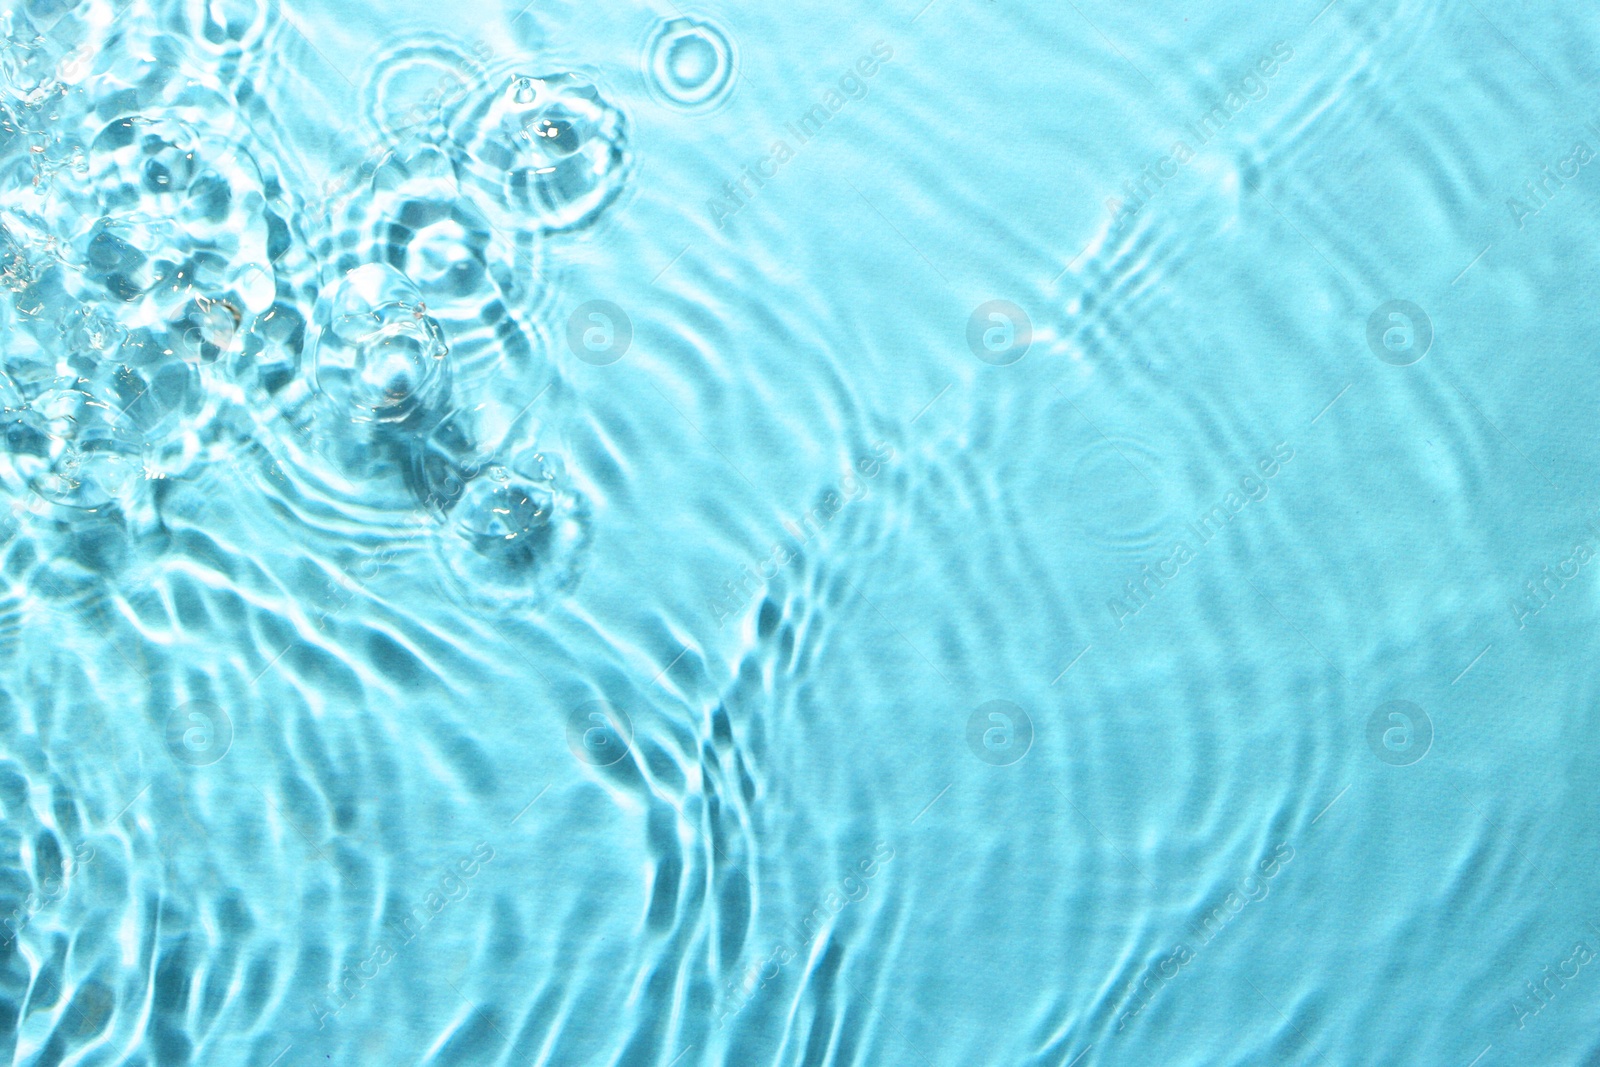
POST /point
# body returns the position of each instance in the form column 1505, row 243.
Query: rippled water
column 943, row 534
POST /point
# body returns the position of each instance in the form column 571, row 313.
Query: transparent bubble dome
column 381, row 358
column 551, row 148
column 72, row 447
column 515, row 532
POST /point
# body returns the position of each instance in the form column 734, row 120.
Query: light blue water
column 939, row 534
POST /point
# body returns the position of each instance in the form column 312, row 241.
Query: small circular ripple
column 408, row 85
column 1115, row 483
column 689, row 63
column 72, row 470
column 71, row 446
column 409, row 211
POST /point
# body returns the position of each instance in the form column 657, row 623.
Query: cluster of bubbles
column 168, row 293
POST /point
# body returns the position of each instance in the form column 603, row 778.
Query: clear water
column 938, row 534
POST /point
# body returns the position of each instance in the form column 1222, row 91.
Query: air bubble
column 381, row 358
column 549, row 150
column 73, row 447
column 516, row 531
